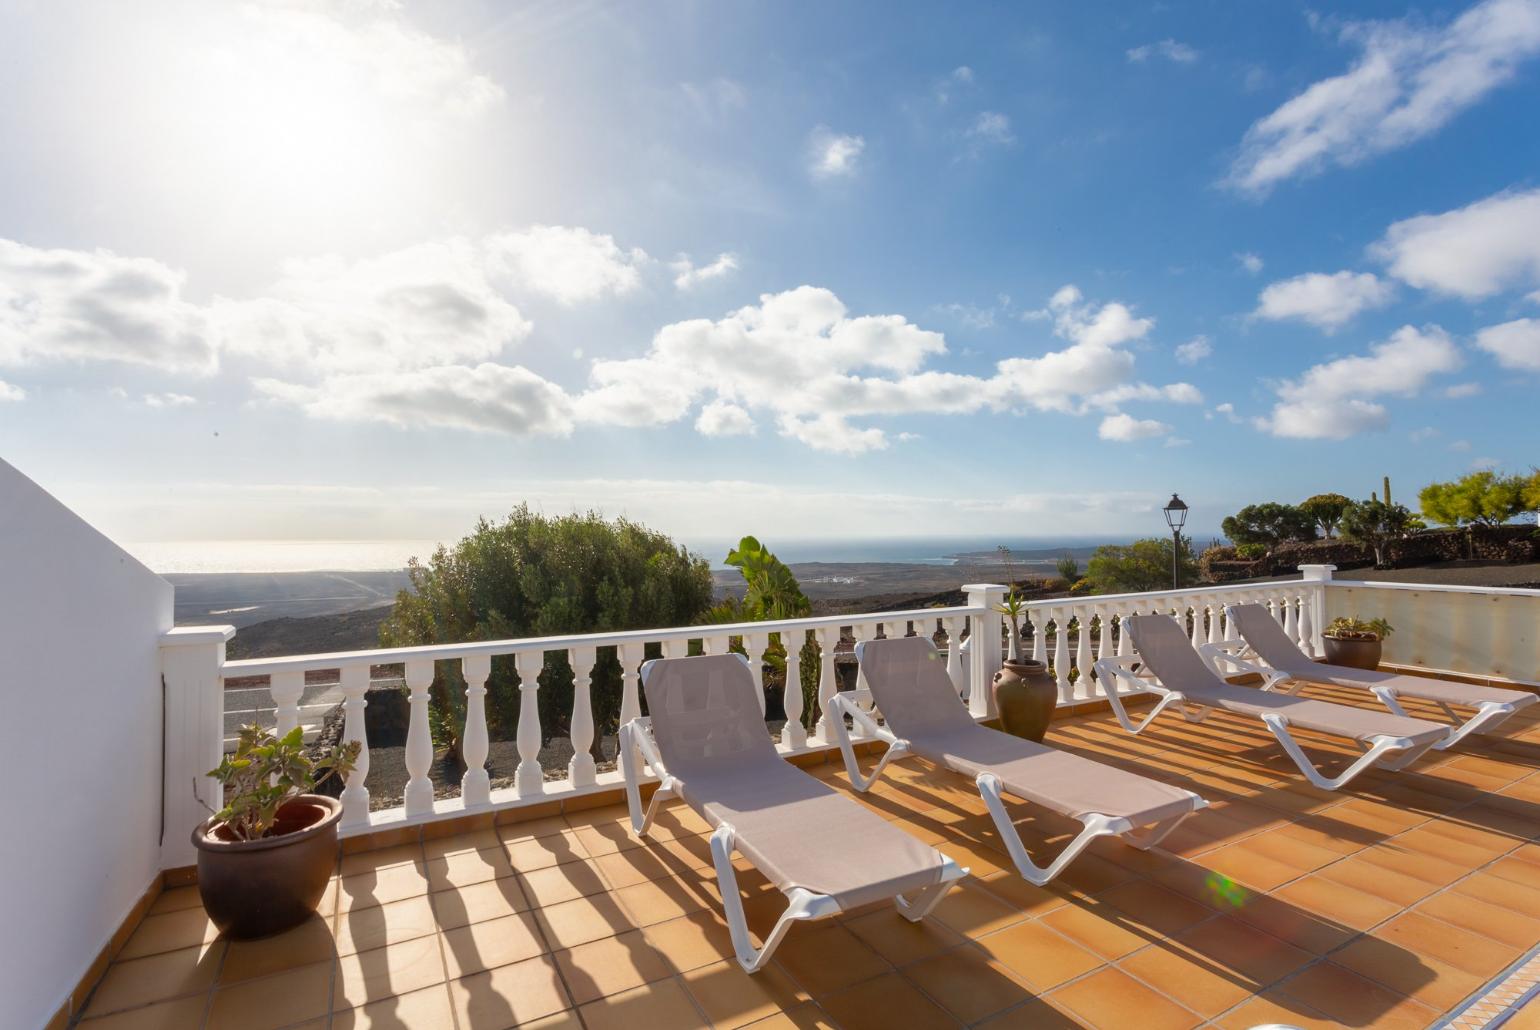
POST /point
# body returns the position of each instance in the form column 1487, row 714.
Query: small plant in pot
column 1355, row 642
column 1025, row 694
column 265, row 858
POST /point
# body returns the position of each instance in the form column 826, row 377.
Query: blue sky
column 367, row 270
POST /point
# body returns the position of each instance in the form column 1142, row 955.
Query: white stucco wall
column 80, row 743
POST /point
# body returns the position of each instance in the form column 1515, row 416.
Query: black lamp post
column 1176, row 518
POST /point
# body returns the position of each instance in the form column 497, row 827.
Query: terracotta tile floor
column 1385, row 904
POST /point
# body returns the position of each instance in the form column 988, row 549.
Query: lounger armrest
column 641, row 736
column 844, row 703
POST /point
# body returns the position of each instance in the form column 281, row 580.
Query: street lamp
column 1176, row 518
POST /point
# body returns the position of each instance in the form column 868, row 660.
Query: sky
column 368, row 270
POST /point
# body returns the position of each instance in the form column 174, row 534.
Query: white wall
column 80, row 744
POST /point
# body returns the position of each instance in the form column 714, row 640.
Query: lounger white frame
column 1243, row 657
column 636, row 740
column 1093, row 825
column 1382, row 748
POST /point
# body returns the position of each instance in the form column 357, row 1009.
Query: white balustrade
column 828, row 684
column 1039, row 623
column 528, row 779
column 1061, row 617
column 287, row 688
column 630, row 656
column 581, row 770
column 418, row 799
column 793, row 734
column 1290, row 619
column 954, row 651
column 355, row 796
column 475, row 785
column 754, row 645
column 1083, row 653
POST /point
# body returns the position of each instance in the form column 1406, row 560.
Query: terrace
column 1400, row 900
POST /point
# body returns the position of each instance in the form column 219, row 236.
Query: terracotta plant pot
column 255, row 888
column 1354, row 652
column 1025, row 696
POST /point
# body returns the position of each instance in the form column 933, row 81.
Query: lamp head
column 1176, row 513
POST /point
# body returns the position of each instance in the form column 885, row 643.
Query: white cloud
column 1329, row 400
column 1194, row 350
column 687, row 275
column 487, row 397
column 800, row 356
column 1126, row 429
column 1170, row 49
column 11, row 392
column 1228, row 411
column 1325, row 301
column 429, row 304
column 77, row 305
column 1408, row 83
column 168, row 400
column 962, row 73
column 1250, row 262
column 1462, row 390
column 991, row 127
column 1472, row 252
column 722, row 418
column 1423, row 435
column 1515, row 344
column 568, row 264
column 831, row 155
column 1460, row 446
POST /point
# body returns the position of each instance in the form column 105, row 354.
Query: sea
column 225, row 556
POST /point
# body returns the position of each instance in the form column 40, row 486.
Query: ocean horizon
column 273, row 556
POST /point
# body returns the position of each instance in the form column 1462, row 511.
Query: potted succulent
column 1355, row 642
column 265, row 858
column 1025, row 694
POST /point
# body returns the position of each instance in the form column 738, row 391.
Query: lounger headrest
column 1266, row 637
column 1163, row 646
column 909, row 682
column 704, row 708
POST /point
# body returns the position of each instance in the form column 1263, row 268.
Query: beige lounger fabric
column 1267, row 638
column 796, row 830
column 911, row 687
column 1169, row 654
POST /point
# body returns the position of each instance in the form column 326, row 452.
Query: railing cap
column 190, row 636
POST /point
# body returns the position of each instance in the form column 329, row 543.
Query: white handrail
column 1435, row 588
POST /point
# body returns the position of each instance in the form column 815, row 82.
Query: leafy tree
column 1376, row 523
column 1532, row 491
column 1139, row 566
column 1326, row 510
column 1480, row 499
column 1269, row 523
column 1068, row 568
column 534, row 575
column 772, row 592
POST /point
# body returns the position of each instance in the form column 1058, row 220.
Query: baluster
column 1290, row 619
column 675, row 648
column 793, row 734
column 355, row 796
column 828, row 686
column 1197, row 624
column 1061, row 654
column 1231, row 633
column 754, row 644
column 871, row 633
column 1108, row 647
column 419, row 741
column 630, row 657
column 286, row 688
column 1125, row 644
column 580, row 770
column 1215, row 615
column 475, row 785
column 528, row 779
column 1037, row 618
column 1307, row 627
column 954, row 652
column 1083, row 654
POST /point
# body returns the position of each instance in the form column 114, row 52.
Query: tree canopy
column 1139, row 566
column 1326, row 510
column 537, row 575
column 1269, row 523
column 1482, row 498
column 1375, row 523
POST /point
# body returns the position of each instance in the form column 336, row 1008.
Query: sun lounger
column 1180, row 675
column 1262, row 637
column 923, row 716
column 705, row 738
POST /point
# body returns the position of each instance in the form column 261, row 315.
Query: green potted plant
column 1355, row 642
column 264, row 859
column 1025, row 695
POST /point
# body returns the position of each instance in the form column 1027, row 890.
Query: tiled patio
column 1382, row 905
